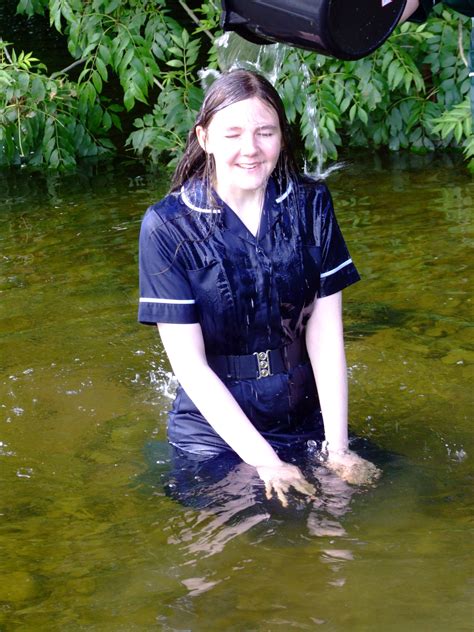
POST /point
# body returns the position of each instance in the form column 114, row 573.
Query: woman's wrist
column 268, row 462
column 333, row 449
column 262, row 455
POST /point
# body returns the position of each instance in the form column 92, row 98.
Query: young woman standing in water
column 241, row 268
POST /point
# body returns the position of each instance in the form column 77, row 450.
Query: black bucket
column 346, row 29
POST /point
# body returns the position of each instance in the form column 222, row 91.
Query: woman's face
column 245, row 140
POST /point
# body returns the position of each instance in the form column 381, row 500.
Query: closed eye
column 262, row 134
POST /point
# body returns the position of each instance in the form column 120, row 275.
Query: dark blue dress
column 200, row 264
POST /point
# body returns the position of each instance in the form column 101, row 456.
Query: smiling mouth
column 249, row 167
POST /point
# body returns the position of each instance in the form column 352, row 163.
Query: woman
column 242, row 267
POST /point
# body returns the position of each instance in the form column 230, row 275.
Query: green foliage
column 30, row 7
column 411, row 93
column 40, row 123
column 457, row 124
column 165, row 130
column 162, row 133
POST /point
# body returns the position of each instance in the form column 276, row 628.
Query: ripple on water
column 96, row 541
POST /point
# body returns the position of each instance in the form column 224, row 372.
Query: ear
column 201, row 136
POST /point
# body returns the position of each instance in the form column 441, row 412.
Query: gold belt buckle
column 263, row 363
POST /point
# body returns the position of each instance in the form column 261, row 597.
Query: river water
column 89, row 538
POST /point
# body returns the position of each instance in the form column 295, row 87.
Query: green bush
column 412, row 93
column 46, row 121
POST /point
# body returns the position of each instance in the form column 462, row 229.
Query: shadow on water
column 93, row 534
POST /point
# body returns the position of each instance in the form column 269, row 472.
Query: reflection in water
column 221, row 509
column 228, row 499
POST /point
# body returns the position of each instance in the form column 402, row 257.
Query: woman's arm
column 184, row 346
column 325, row 343
column 410, row 7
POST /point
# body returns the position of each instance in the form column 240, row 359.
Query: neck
column 247, row 205
column 242, row 201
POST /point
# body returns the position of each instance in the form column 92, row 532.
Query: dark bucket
column 346, row 29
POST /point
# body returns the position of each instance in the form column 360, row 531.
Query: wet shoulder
column 167, row 209
column 310, row 186
column 315, row 197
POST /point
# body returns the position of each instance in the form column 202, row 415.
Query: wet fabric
column 200, row 482
column 225, row 482
column 200, row 264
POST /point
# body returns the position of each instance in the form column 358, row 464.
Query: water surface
column 90, row 541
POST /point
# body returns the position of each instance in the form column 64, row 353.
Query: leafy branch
column 411, row 93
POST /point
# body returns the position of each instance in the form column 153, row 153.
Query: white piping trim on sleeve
column 334, row 270
column 168, row 301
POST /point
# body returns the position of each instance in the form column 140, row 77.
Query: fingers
column 281, row 496
column 301, row 485
column 281, row 490
column 305, row 488
column 376, row 472
column 279, row 480
column 353, row 469
column 373, row 474
column 356, row 473
column 271, row 487
column 268, row 490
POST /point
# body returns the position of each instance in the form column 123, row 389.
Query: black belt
column 261, row 363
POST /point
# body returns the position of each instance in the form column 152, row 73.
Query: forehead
column 248, row 112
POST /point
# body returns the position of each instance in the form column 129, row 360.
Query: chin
column 252, row 182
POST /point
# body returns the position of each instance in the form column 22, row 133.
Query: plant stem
column 68, row 68
column 460, row 46
column 5, row 50
column 20, row 144
column 195, row 19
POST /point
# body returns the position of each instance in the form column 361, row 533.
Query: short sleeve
column 337, row 268
column 165, row 293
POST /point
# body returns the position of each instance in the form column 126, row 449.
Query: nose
column 249, row 144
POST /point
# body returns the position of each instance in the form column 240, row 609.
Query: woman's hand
column 279, row 478
column 351, row 467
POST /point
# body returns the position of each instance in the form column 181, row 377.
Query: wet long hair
column 228, row 89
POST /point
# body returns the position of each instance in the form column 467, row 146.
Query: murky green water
column 89, row 541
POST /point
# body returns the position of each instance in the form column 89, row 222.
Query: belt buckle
column 263, row 363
